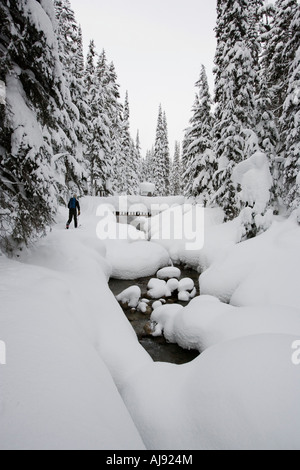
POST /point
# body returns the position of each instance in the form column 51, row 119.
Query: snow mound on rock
column 135, row 260
column 130, row 296
column 169, row 273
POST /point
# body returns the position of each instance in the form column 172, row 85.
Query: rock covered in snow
column 144, row 307
column 169, row 273
column 130, row 296
column 186, row 284
column 158, row 288
column 186, row 290
column 157, row 304
column 173, row 285
column 186, row 296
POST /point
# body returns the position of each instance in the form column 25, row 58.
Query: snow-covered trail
column 63, row 329
column 71, row 355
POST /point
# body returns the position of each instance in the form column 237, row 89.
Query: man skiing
column 73, row 207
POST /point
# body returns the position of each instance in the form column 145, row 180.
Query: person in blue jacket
column 73, row 208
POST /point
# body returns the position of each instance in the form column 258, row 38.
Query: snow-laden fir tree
column 79, row 55
column 176, row 172
column 277, row 56
column 290, row 122
column 235, row 116
column 266, row 122
column 167, row 160
column 33, row 124
column 200, row 161
column 115, row 110
column 161, row 158
column 98, row 140
column 69, row 159
column 147, row 167
column 128, row 165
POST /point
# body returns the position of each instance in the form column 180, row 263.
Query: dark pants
column 73, row 213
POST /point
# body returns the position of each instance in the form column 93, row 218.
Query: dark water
column 158, row 348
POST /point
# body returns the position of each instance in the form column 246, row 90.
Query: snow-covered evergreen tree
column 176, row 172
column 147, row 167
column 167, row 160
column 235, row 117
column 290, row 122
column 278, row 56
column 69, row 152
column 161, row 159
column 79, row 55
column 30, row 122
column 199, row 155
column 99, row 139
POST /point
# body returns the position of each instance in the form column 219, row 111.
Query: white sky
column 157, row 47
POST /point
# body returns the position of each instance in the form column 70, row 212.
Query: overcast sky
column 157, row 47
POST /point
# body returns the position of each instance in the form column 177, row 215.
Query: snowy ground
column 77, row 378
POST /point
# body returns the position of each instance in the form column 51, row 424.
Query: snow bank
column 238, row 395
column 127, row 252
column 72, row 354
column 183, row 231
column 136, row 260
column 56, row 391
column 264, row 270
column 206, row 322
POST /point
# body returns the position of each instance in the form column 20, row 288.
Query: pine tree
column 126, row 164
column 69, row 151
column 147, row 167
column 199, row 155
column 167, row 160
column 176, row 172
column 161, row 159
column 30, row 70
column 79, row 55
column 99, row 138
column 115, row 110
column 138, row 146
column 278, row 56
column 235, row 99
column 290, row 122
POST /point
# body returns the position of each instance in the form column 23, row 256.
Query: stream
column 158, row 348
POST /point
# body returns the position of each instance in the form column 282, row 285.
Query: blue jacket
column 74, row 204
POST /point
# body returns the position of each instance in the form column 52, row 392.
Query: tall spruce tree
column 290, row 121
column 147, row 167
column 33, row 119
column 176, row 172
column 70, row 159
column 278, row 57
column 161, row 159
column 99, row 138
column 234, row 128
column 201, row 162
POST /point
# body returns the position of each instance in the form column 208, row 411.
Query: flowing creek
column 158, row 348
